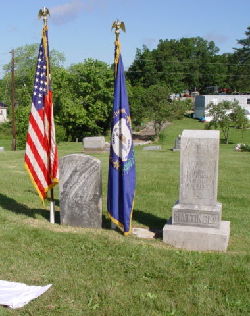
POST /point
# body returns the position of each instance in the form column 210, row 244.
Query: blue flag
column 121, row 180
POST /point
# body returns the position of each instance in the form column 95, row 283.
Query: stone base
column 197, row 238
column 197, row 215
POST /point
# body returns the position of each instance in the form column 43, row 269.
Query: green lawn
column 101, row 272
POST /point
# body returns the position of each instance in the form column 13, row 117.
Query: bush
column 22, row 119
column 5, row 129
column 242, row 147
column 180, row 107
column 60, row 134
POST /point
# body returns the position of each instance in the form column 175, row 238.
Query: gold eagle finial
column 118, row 25
column 43, row 14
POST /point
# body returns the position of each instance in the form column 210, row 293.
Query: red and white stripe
column 41, row 157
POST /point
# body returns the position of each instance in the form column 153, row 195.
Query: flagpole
column 117, row 25
column 43, row 13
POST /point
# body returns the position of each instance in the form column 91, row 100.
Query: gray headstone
column 177, row 145
column 80, row 191
column 1, row 148
column 152, row 148
column 95, row 143
column 197, row 206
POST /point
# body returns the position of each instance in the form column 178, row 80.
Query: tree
column 158, row 108
column 25, row 63
column 136, row 100
column 83, row 102
column 241, row 59
column 143, row 70
column 22, row 119
column 188, row 63
column 239, row 118
column 180, row 107
column 226, row 114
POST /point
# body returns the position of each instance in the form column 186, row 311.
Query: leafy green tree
column 180, row 108
column 188, row 63
column 25, row 63
column 137, row 108
column 22, row 119
column 143, row 70
column 83, row 103
column 226, row 114
column 241, row 61
column 239, row 118
column 158, row 107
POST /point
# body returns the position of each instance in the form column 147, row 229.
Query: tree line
column 83, row 92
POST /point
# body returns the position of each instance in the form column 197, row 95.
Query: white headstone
column 95, row 143
column 197, row 206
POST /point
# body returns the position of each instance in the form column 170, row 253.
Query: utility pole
column 13, row 100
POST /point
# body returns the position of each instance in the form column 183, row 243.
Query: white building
column 201, row 102
column 3, row 114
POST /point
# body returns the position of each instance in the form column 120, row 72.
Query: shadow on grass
column 154, row 223
column 106, row 223
column 224, row 141
column 18, row 208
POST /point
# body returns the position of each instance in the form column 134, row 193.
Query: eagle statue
column 43, row 13
column 117, row 25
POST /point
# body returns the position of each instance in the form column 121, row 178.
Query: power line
column 194, row 62
column 188, row 73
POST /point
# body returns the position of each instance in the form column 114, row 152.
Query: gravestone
column 152, row 148
column 93, row 144
column 177, row 145
column 1, row 148
column 196, row 217
column 80, row 191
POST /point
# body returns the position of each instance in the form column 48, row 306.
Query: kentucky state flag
column 121, row 180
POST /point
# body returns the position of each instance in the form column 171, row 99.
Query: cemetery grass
column 101, row 272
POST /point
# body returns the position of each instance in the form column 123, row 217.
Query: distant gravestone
column 196, row 217
column 1, row 148
column 95, row 143
column 177, row 145
column 80, row 191
column 152, row 148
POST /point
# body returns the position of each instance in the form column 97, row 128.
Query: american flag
column 41, row 157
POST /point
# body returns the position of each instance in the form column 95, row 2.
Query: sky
column 81, row 29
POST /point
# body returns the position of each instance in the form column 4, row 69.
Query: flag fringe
column 120, row 225
column 55, row 182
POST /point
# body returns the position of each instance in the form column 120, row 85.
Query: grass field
column 101, row 272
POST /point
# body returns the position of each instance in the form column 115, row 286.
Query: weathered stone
column 1, row 148
column 197, row 206
column 96, row 143
column 199, row 167
column 80, row 191
column 197, row 238
column 177, row 145
column 143, row 233
column 198, row 180
column 197, row 215
column 152, row 148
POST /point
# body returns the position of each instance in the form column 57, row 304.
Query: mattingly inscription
column 194, row 218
